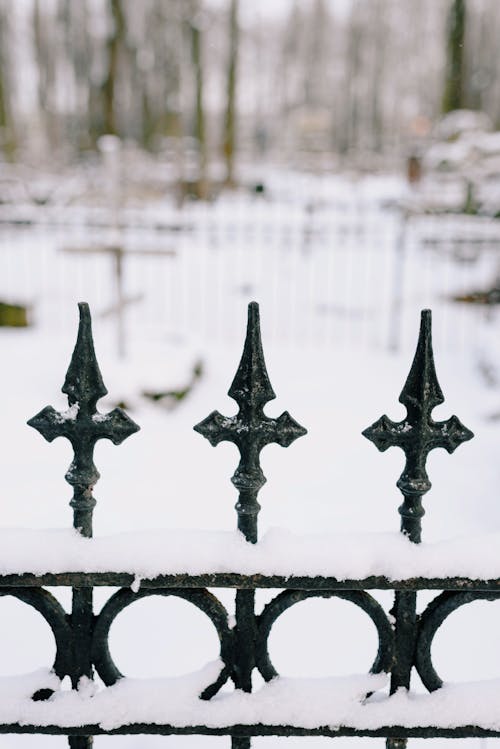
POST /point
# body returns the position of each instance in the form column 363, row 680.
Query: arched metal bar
column 202, row 599
column 434, row 615
column 288, row 598
column 55, row 616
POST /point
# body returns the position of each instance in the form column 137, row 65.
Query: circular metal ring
column 287, row 598
column 202, row 599
column 55, row 616
column 430, row 621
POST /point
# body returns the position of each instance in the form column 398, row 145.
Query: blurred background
column 175, row 158
column 208, row 86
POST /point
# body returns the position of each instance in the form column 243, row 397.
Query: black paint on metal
column 257, row 729
column 236, row 580
column 434, row 615
column 82, row 424
column 363, row 600
column 405, row 640
column 202, row 599
column 55, row 616
column 416, row 435
column 250, row 430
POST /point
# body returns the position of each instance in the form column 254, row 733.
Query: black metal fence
column 405, row 638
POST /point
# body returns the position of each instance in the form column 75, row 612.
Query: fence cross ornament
column 250, row 430
column 417, row 434
column 82, row 424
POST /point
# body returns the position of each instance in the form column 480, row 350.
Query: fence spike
column 82, row 424
column 418, row 433
column 250, row 430
column 83, row 383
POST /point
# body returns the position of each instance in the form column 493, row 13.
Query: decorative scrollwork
column 55, row 616
column 287, row 598
column 202, row 599
column 434, row 615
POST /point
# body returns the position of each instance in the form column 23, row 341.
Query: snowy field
column 329, row 280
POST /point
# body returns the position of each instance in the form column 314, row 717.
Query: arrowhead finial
column 422, row 389
column 250, row 430
column 82, row 424
column 251, row 386
column 83, row 383
column 418, row 433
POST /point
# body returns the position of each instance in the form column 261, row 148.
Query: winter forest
column 357, row 80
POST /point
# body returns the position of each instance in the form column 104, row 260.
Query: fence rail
column 404, row 638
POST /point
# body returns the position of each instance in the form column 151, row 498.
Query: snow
column 326, row 288
column 304, row 703
column 70, row 414
column 348, row 556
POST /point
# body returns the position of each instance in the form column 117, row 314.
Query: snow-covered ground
column 328, row 279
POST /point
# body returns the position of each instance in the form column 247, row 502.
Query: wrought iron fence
column 405, row 639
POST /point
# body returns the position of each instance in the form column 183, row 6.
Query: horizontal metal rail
column 261, row 729
column 245, row 582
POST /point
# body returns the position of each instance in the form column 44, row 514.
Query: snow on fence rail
column 186, row 565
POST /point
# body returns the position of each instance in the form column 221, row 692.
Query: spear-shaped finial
column 250, row 430
column 83, row 383
column 418, row 433
column 82, row 424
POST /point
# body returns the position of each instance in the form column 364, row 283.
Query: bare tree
column 230, row 115
column 377, row 87
column 290, row 42
column 45, row 47
column 161, row 75
column 194, row 22
column 7, row 127
column 454, row 87
column 114, row 44
column 353, row 77
column 139, row 69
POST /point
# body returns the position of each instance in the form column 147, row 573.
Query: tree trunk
column 115, row 42
column 44, row 47
column 230, row 117
column 7, row 136
column 199, row 115
column 377, row 84
column 454, row 87
column 353, row 63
